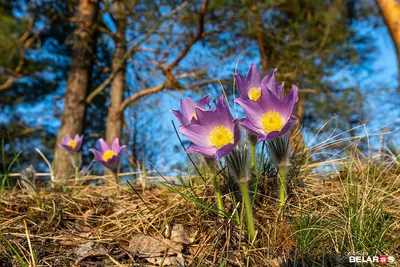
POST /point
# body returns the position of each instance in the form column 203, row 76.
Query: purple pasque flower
column 108, row 156
column 71, row 145
column 270, row 117
column 214, row 133
column 252, row 86
column 188, row 107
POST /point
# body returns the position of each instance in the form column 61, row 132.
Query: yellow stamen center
column 220, row 136
column 108, row 154
column 72, row 144
column 272, row 121
column 195, row 116
column 255, row 93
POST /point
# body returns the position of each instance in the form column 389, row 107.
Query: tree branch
column 8, row 83
column 141, row 94
column 198, row 36
column 16, row 73
column 159, row 88
column 171, row 81
column 129, row 53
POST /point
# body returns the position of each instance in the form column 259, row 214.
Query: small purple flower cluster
column 108, row 156
column 215, row 132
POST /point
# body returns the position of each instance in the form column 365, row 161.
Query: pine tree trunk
column 115, row 117
column 390, row 10
column 259, row 27
column 83, row 53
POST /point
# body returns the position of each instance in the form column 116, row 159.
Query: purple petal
column 204, row 101
column 223, row 151
column 198, row 130
column 206, row 118
column 290, row 123
column 273, row 135
column 188, row 108
column 66, row 147
column 269, row 80
column 112, row 161
column 205, row 151
column 249, row 126
column 178, row 114
column 293, row 119
column 253, row 110
column 119, row 150
column 270, row 102
column 291, row 99
column 261, row 138
column 103, row 145
column 115, row 145
column 97, row 154
column 196, row 133
column 239, row 81
column 279, row 89
column 253, row 78
column 236, row 133
column 66, row 139
column 221, row 116
column 79, row 142
column 224, row 115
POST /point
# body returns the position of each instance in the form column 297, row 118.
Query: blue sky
column 375, row 87
column 379, row 112
column 383, row 110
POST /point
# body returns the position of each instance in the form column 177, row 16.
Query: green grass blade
column 14, row 250
column 192, row 199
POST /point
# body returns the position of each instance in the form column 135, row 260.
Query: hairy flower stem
column 253, row 157
column 76, row 159
column 258, row 174
column 249, row 210
column 252, row 166
column 282, row 185
column 116, row 178
column 220, row 205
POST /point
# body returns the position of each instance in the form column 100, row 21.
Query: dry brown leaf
column 167, row 261
column 147, row 246
column 89, row 249
column 179, row 235
column 162, row 251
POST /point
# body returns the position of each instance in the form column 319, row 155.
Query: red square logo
column 383, row 259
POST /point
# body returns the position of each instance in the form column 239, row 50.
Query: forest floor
column 356, row 210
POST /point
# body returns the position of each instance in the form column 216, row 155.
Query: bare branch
column 8, row 83
column 141, row 94
column 198, row 36
column 171, row 81
column 16, row 73
column 105, row 30
column 103, row 85
column 130, row 52
column 24, row 129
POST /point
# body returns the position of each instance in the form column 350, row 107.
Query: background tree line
column 107, row 68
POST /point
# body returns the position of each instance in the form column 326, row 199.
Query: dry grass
column 350, row 208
